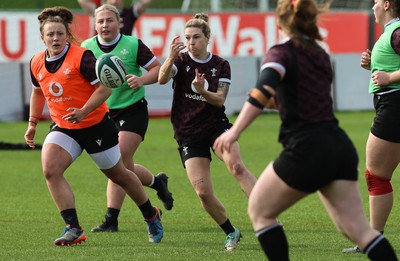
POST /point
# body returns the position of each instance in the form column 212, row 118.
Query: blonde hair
column 200, row 21
column 299, row 18
column 58, row 14
column 108, row 7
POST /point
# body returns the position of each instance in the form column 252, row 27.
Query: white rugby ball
column 110, row 70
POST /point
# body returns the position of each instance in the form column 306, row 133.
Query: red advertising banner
column 347, row 32
column 20, row 34
column 243, row 34
column 232, row 34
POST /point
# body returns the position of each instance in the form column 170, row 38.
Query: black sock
column 227, row 227
column 70, row 217
column 380, row 249
column 112, row 215
column 157, row 184
column 273, row 242
column 147, row 210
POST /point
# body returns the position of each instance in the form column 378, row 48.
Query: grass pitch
column 29, row 220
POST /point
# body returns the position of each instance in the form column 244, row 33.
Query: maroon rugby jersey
column 128, row 20
column 192, row 117
column 304, row 95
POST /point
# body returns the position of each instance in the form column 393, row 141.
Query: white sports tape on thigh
column 108, row 158
column 65, row 142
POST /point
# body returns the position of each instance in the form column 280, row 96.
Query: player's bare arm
column 223, row 87
column 366, row 60
column 142, row 5
column 217, row 98
column 88, row 6
column 166, row 71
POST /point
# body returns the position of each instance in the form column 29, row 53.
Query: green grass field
column 29, row 220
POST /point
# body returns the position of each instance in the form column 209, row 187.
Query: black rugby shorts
column 314, row 158
column 134, row 118
column 201, row 148
column 88, row 138
column 386, row 124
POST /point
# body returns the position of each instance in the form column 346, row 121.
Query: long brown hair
column 299, row 19
column 58, row 14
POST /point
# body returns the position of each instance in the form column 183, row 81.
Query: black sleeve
column 145, row 55
column 270, row 77
column 395, row 41
column 33, row 78
column 88, row 66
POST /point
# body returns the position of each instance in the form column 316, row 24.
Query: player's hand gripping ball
column 110, row 70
